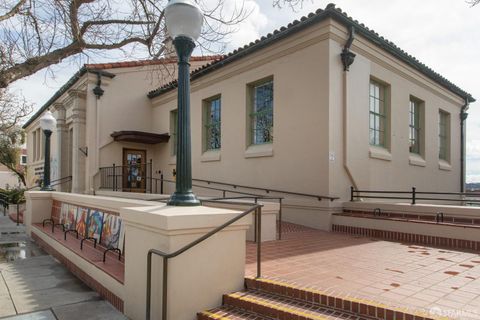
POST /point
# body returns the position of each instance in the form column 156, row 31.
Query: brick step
column 280, row 307
column 349, row 305
column 229, row 313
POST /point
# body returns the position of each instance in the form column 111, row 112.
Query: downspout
column 348, row 58
column 463, row 119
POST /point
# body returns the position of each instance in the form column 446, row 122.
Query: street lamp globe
column 183, row 18
column 48, row 122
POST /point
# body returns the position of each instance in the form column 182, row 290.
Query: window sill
column 172, row 160
column 261, row 150
column 209, row 156
column 380, row 153
column 416, row 160
column 444, row 165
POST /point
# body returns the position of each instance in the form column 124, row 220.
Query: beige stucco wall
column 321, row 122
column 300, row 118
column 123, row 106
column 317, row 135
column 401, row 172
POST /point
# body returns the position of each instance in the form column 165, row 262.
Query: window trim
column 419, row 126
column 206, row 115
column 251, row 93
column 23, row 163
column 385, row 87
column 446, row 137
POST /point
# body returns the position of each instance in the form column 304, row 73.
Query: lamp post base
column 187, row 199
column 48, row 188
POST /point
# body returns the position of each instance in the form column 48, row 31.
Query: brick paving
column 443, row 282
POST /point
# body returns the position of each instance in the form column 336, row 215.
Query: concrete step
column 280, row 307
column 229, row 313
column 265, row 299
column 356, row 308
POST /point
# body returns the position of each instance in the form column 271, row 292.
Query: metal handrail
column 245, row 195
column 267, row 190
column 398, row 195
column 166, row 256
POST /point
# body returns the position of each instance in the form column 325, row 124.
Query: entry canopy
column 140, row 137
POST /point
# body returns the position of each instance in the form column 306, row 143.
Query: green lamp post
column 184, row 21
column 47, row 124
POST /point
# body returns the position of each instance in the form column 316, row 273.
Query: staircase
column 265, row 299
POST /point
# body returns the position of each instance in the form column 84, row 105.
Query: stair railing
column 413, row 195
column 256, row 208
column 267, row 190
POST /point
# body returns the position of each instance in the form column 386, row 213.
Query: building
column 99, row 100
column 8, row 179
column 315, row 107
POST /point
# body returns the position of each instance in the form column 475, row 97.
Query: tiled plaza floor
column 440, row 281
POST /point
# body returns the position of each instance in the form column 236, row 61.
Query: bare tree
column 36, row 34
column 473, row 2
column 13, row 109
column 289, row 3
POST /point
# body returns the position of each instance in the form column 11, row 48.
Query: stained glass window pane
column 213, row 124
column 262, row 113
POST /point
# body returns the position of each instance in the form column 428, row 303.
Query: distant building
column 8, row 179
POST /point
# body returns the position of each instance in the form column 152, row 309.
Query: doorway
column 134, row 170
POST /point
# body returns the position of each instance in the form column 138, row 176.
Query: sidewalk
column 34, row 286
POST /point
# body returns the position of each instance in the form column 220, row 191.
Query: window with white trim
column 378, row 114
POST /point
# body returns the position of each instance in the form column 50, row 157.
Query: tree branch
column 15, row 10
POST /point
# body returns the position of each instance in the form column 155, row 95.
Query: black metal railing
column 114, row 177
column 253, row 208
column 268, row 190
column 244, row 195
column 157, row 186
column 413, row 195
column 128, row 178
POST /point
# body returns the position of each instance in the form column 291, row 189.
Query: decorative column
column 62, row 144
column 78, row 141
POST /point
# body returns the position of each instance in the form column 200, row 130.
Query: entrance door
column 134, row 170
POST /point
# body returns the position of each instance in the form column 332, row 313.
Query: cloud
column 249, row 29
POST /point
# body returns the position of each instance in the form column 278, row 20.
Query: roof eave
column 295, row 26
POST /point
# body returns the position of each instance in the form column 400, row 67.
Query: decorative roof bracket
column 347, row 56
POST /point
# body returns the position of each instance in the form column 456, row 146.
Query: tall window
column 443, row 135
column 377, row 114
column 212, row 124
column 414, row 126
column 261, row 116
column 173, row 131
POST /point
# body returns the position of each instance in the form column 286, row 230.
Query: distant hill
column 475, row 186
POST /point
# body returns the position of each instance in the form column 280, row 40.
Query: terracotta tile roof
column 112, row 65
column 298, row 25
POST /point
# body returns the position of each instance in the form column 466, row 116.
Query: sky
column 443, row 34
